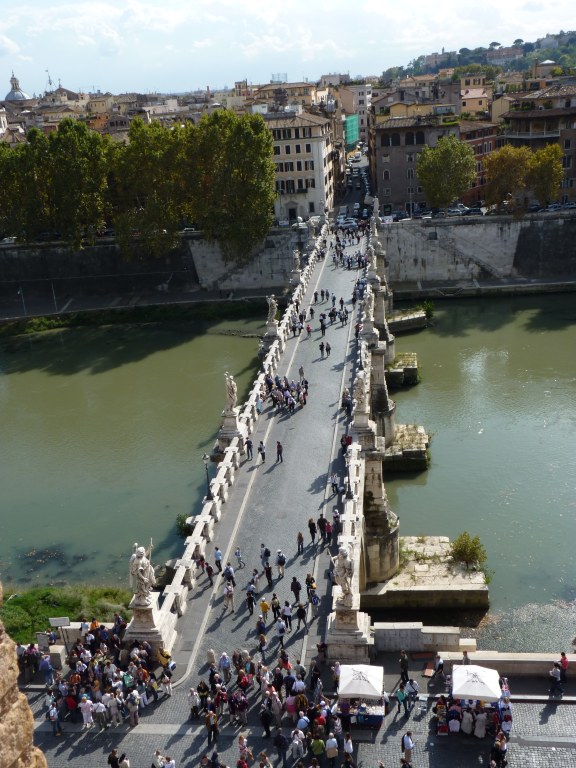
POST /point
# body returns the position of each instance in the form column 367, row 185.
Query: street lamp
column 349, row 491
column 206, row 460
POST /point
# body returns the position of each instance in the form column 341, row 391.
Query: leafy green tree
column 506, row 172
column 78, row 173
column 446, row 170
column 545, row 173
column 149, row 189
column 518, row 42
column 232, row 178
column 465, row 549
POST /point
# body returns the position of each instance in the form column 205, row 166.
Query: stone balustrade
column 175, row 595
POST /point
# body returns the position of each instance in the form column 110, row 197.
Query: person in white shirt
column 412, row 689
column 407, row 746
column 86, row 707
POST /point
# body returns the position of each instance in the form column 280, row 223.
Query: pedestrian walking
column 211, row 724
column 281, row 744
column 268, row 573
column 407, row 746
column 438, row 667
column 295, row 588
column 328, row 349
column 54, row 718
column 279, row 451
column 229, row 596
column 275, row 604
column 300, row 542
column 301, row 373
column 255, row 580
column 280, row 563
column 250, row 602
column 301, row 616
column 210, row 574
column 228, row 574
column 563, row 667
column 280, row 631
column 262, row 451
column 218, row 558
column 249, row 449
column 238, row 556
column 312, row 528
column 114, row 760
column 321, row 348
column 286, row 614
column 402, row 698
column 403, row 661
column 264, row 554
column 556, row 685
column 334, row 482
column 264, row 607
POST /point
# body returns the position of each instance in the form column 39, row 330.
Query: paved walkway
column 269, row 503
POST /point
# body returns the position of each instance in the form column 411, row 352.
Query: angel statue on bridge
column 142, row 577
column 343, row 571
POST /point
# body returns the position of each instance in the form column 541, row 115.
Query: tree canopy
column 446, row 170
column 511, row 170
column 218, row 173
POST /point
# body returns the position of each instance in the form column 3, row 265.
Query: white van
column 343, row 210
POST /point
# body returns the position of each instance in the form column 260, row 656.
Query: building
column 15, row 93
column 356, row 100
column 307, row 161
column 333, row 79
column 546, row 117
column 394, row 144
column 482, row 139
column 304, row 94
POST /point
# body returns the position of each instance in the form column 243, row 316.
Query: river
column 103, row 431
column 498, row 395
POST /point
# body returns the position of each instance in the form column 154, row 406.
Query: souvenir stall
column 361, row 696
column 474, row 701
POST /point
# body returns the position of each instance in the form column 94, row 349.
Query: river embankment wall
column 472, row 248
column 44, row 269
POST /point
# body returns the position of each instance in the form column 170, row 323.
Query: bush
column 184, row 529
column 466, row 549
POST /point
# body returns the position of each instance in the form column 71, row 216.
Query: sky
column 182, row 45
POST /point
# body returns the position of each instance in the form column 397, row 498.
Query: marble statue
column 369, row 304
column 272, row 308
column 371, row 258
column 231, row 392
column 295, row 261
column 359, row 392
column 376, row 206
column 142, row 577
column 343, row 570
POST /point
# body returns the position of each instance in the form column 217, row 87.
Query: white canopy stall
column 473, row 682
column 361, row 681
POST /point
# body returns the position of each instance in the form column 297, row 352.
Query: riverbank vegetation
column 74, row 184
column 28, row 611
column 201, row 313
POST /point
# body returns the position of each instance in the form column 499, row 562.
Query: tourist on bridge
column 218, row 558
column 262, row 451
column 249, row 449
column 279, row 451
column 280, row 563
column 250, row 601
column 280, row 631
column 255, row 581
column 238, row 556
column 264, row 607
column 261, row 624
column 300, row 542
column 228, row 574
column 295, row 588
column 404, row 674
column 312, row 529
column 229, row 596
column 210, row 573
column 268, row 573
column 301, row 616
column 275, row 603
column 328, row 349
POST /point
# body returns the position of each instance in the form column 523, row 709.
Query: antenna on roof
column 49, row 84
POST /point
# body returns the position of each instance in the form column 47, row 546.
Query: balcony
column 547, row 133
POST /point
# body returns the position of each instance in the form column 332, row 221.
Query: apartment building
column 306, row 159
column 546, row 117
column 356, row 100
column 482, row 139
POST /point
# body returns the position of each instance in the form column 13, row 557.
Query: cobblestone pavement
column 269, row 504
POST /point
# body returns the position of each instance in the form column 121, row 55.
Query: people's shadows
column 318, row 485
column 548, row 710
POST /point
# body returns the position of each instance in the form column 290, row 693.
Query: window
column 395, row 139
column 287, row 149
column 307, row 132
column 386, row 158
column 463, row 103
column 420, row 137
column 419, row 190
column 360, row 101
column 384, row 140
column 310, row 207
column 288, row 166
column 286, row 133
column 410, row 157
column 566, row 143
column 290, row 186
column 276, row 149
column 298, row 165
column 308, row 147
column 489, row 146
column 410, row 173
column 296, row 133
column 411, row 190
column 309, row 165
column 567, row 161
column 277, row 134
column 297, row 149
column 386, row 175
column 300, row 183
column 311, row 183
column 409, row 138
column 386, row 191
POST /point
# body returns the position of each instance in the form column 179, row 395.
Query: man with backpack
column 228, row 574
column 280, row 563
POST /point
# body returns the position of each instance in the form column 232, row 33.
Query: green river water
column 103, row 432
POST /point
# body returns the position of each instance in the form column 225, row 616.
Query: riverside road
column 269, row 504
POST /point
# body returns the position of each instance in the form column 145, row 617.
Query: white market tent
column 360, row 681
column 473, row 682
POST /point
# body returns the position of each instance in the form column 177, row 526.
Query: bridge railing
column 174, row 595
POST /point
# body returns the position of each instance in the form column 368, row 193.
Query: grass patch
column 28, row 611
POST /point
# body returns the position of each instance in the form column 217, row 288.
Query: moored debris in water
column 44, row 556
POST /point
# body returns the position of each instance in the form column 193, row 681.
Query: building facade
column 356, row 100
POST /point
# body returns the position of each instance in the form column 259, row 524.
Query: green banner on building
column 351, row 132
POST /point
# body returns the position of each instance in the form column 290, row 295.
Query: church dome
column 15, row 93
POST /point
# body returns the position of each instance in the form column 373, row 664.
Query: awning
column 473, row 682
column 361, row 681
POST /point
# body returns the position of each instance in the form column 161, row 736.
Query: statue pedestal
column 151, row 624
column 231, row 428
column 296, row 277
column 348, row 634
column 369, row 333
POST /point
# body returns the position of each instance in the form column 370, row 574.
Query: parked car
column 365, row 214
column 350, row 224
column 454, row 212
column 569, row 206
column 399, row 215
column 474, row 212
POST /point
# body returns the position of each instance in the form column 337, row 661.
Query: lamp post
column 206, row 460
column 349, row 491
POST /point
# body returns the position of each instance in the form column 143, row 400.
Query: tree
column 446, row 170
column 506, row 172
column 545, row 173
column 495, row 45
column 466, row 549
column 518, row 42
column 149, row 188
column 232, row 176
